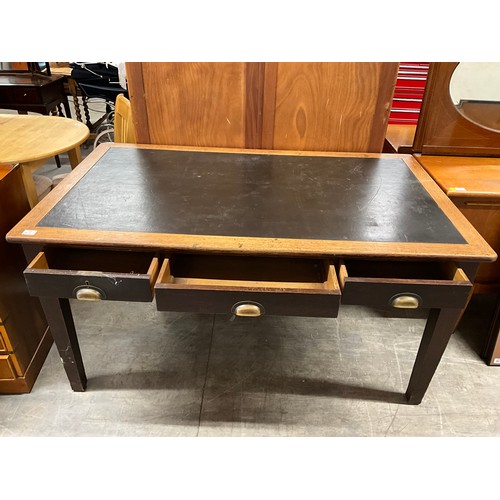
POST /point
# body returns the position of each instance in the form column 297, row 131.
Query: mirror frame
column 442, row 129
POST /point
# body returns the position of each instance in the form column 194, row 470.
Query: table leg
column 29, row 184
column 27, row 170
column 62, row 328
column 74, row 92
column 75, row 157
column 67, row 109
column 441, row 323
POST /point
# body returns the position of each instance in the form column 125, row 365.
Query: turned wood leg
column 62, row 328
column 441, row 323
column 73, row 90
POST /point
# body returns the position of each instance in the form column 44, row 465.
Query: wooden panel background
column 288, row 106
column 190, row 104
column 329, row 106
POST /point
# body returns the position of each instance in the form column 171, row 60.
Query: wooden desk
column 250, row 233
column 28, row 92
column 31, row 140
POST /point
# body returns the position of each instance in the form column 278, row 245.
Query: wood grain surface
column 198, row 104
column 463, row 176
column 473, row 184
column 332, row 106
column 295, row 106
column 27, row 138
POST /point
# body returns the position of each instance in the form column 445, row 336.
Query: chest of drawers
column 24, row 336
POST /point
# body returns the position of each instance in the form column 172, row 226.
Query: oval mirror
column 475, row 92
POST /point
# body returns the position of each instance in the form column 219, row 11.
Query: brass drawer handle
column 405, row 301
column 88, row 293
column 248, row 310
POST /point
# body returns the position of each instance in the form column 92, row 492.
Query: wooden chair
column 124, row 131
column 123, row 128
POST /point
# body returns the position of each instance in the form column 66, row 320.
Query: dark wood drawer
column 93, row 275
column 403, row 284
column 7, row 371
column 248, row 286
column 20, row 95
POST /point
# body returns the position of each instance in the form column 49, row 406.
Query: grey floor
column 176, row 374
column 153, row 373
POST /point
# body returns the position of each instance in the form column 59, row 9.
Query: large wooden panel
column 195, row 104
column 288, row 106
column 328, row 106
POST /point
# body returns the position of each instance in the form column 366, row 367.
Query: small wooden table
column 248, row 232
column 31, row 140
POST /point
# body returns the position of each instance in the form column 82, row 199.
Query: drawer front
column 226, row 302
column 20, row 95
column 7, row 371
column 44, row 278
column 247, row 297
column 447, row 290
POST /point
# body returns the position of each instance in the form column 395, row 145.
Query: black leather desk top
column 221, row 194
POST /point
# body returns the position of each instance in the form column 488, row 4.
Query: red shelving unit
column 409, row 92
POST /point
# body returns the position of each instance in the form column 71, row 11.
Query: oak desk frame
column 41, row 231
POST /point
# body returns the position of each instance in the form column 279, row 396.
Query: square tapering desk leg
column 440, row 325
column 62, row 327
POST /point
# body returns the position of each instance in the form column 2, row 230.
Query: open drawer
column 248, row 286
column 403, row 285
column 93, row 274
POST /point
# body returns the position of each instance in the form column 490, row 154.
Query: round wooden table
column 31, row 140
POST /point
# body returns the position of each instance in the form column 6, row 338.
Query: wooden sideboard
column 463, row 158
column 473, row 184
column 25, row 92
column 24, row 336
column 287, row 106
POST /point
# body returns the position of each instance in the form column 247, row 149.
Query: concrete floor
column 176, row 374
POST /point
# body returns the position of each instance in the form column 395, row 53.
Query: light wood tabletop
column 31, row 140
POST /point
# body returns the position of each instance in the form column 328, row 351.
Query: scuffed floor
column 177, row 374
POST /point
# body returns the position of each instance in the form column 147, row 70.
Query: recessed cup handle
column 248, row 309
column 89, row 293
column 405, row 301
